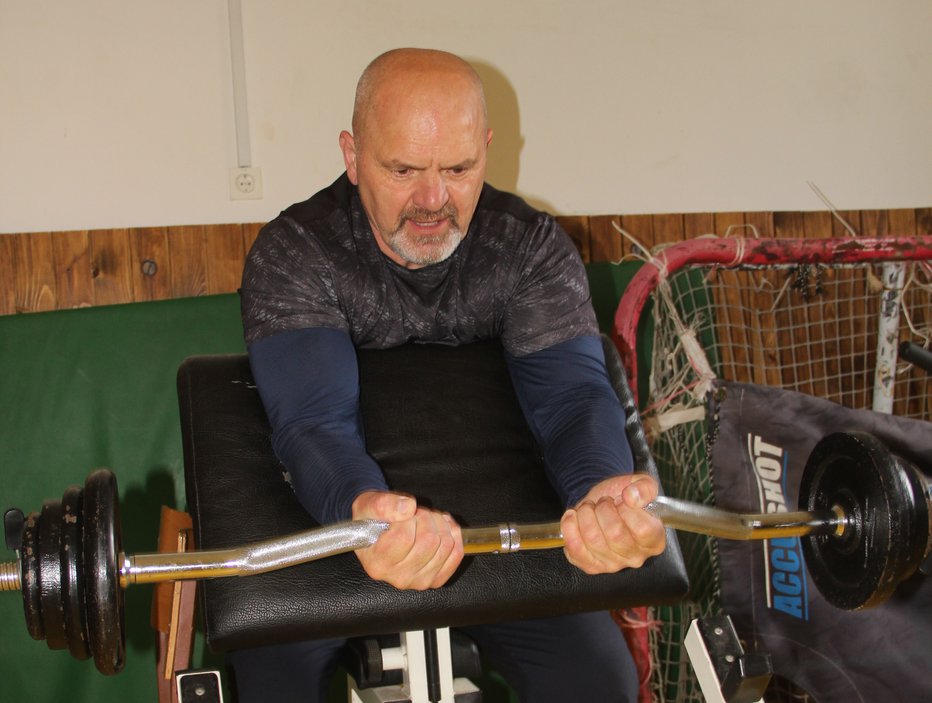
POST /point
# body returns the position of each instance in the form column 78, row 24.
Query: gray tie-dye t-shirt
column 515, row 276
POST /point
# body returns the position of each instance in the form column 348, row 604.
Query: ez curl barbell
column 864, row 518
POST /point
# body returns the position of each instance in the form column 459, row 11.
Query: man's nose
column 431, row 192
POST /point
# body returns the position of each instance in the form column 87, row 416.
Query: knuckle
column 643, row 532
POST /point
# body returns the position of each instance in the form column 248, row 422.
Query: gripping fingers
column 434, row 555
column 419, row 553
column 607, row 536
column 596, row 540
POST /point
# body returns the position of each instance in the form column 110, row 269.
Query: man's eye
column 401, row 172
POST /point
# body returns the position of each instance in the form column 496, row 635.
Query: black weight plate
column 29, row 577
column 862, row 567
column 72, row 578
column 50, row 570
column 103, row 595
column 919, row 497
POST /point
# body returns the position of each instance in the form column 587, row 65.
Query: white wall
column 116, row 113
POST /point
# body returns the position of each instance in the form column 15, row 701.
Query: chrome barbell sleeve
column 256, row 558
column 716, row 522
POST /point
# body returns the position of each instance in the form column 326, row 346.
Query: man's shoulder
column 493, row 201
column 322, row 222
column 337, row 197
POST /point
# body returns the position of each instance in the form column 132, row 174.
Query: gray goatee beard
column 424, row 250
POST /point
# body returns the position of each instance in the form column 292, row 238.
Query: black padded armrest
column 444, row 425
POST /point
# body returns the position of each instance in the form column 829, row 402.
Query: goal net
column 824, row 317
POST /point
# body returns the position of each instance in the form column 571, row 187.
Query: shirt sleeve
column 288, row 283
column 551, row 302
column 308, row 380
column 574, row 413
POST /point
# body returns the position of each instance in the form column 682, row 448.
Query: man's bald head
column 405, row 74
column 417, row 153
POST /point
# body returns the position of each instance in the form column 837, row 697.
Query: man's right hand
column 421, row 548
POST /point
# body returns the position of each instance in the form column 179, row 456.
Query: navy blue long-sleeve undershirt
column 309, row 383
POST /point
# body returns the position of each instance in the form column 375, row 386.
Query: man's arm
column 309, row 383
column 308, row 380
column 575, row 415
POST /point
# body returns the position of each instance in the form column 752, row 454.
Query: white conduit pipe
column 238, row 67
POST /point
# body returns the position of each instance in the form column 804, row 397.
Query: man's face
column 419, row 166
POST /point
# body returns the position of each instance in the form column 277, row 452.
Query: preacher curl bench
column 445, row 426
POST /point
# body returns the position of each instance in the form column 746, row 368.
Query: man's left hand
column 609, row 530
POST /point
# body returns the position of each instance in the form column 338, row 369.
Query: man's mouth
column 430, row 225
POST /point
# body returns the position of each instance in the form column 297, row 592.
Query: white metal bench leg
column 718, row 650
column 411, row 658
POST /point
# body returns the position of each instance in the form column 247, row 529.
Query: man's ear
column 348, row 147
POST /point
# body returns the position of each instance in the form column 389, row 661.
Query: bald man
column 411, row 244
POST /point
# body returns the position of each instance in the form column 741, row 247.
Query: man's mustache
column 419, row 214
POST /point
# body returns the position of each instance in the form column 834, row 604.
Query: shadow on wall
column 140, row 510
column 504, row 163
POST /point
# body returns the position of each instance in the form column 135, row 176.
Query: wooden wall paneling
column 903, row 223
column 697, row 224
column 641, row 229
column 788, row 225
column 875, row 223
column 924, row 275
column 150, row 267
column 111, row 266
column 851, row 326
column 843, row 219
column 759, row 225
column 187, row 247
column 71, row 260
column 43, row 271
column 606, row 243
column 766, row 345
column 577, row 226
column 250, row 232
column 793, row 357
column 7, row 275
column 34, row 273
column 817, row 224
column 922, row 320
column 224, row 258
column 668, row 229
column 731, row 224
column 821, row 318
column 916, row 297
column 924, row 220
column 731, row 327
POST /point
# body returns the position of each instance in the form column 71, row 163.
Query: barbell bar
column 866, row 524
column 321, row 542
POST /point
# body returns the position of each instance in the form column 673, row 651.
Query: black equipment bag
column 762, row 440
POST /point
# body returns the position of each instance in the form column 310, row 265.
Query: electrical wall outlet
column 245, row 183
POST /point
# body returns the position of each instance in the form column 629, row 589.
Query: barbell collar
column 510, row 537
column 10, row 576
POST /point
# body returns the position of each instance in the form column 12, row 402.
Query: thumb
column 641, row 491
column 394, row 507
